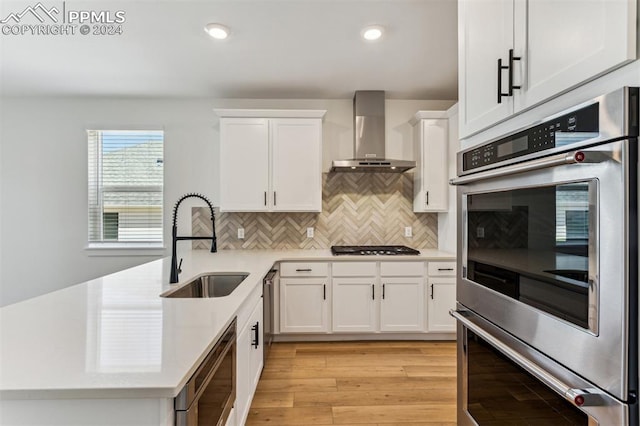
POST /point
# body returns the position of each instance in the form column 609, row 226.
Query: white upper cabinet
column 564, row 43
column 430, row 179
column 485, row 34
column 271, row 160
column 546, row 47
column 297, row 166
column 244, row 165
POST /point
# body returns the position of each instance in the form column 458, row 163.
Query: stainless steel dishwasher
column 271, row 280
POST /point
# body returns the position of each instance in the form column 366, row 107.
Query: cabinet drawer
column 441, row 269
column 354, row 269
column 401, row 269
column 304, row 269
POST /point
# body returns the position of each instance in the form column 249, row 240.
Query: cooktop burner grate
column 373, row 250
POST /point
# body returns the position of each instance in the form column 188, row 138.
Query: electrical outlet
column 241, row 233
column 408, row 231
column 310, row 232
column 480, row 232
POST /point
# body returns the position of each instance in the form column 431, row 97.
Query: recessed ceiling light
column 372, row 32
column 217, row 31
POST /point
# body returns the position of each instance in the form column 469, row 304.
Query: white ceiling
column 277, row 49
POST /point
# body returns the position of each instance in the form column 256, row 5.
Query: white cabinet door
column 244, row 164
column 241, row 406
column 402, row 304
column 485, row 35
column 354, row 304
column 256, row 359
column 249, row 362
column 304, row 305
column 442, row 298
column 564, row 43
column 431, row 185
column 297, row 164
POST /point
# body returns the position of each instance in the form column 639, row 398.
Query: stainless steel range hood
column 369, row 130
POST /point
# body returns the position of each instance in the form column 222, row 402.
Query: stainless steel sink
column 210, row 285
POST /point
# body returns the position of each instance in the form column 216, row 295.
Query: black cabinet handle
column 383, row 290
column 373, row 292
column 256, row 339
column 303, row 270
column 265, row 198
column 427, row 197
column 274, row 198
column 431, row 291
column 512, row 58
column 445, row 269
column 500, row 68
column 324, row 292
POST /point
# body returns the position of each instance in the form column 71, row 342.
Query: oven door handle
column 574, row 157
column 578, row 397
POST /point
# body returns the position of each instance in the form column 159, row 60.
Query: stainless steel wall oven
column 547, row 288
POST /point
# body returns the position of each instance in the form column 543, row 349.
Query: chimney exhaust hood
column 369, row 133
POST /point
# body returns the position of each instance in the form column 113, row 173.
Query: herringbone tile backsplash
column 357, row 209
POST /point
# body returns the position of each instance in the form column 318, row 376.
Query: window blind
column 125, row 186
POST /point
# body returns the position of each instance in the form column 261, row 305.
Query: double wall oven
column 548, row 252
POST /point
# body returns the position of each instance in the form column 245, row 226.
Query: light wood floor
column 363, row 383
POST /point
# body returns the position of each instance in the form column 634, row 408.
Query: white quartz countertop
column 114, row 337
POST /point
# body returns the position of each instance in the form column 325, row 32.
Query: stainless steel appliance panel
column 603, row 346
column 271, row 280
column 502, row 381
column 209, row 395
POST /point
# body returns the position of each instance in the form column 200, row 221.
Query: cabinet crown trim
column 270, row 113
column 420, row 115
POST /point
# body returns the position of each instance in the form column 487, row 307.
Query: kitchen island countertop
column 115, row 337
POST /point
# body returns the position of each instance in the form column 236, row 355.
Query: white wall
column 43, row 173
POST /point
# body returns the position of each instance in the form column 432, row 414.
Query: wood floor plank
column 394, row 413
column 365, row 350
column 377, row 360
column 377, row 383
column 430, row 370
column 375, row 397
column 296, row 385
column 290, row 416
column 332, row 372
column 381, row 383
column 302, row 361
column 273, row 399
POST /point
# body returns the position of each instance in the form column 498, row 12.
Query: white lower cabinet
column 402, row 304
column 367, row 297
column 355, row 306
column 304, row 305
column 442, row 297
column 249, row 363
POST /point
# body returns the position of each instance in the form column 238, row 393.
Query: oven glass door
column 537, row 245
column 500, row 392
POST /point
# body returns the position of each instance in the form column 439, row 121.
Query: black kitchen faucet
column 175, row 268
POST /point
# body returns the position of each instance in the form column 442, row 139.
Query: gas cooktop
column 372, row 250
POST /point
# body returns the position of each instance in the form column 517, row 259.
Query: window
column 125, row 186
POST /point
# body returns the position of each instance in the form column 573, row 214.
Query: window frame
column 111, row 247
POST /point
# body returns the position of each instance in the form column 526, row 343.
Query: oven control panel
column 570, row 128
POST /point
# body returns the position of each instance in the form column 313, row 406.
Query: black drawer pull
column 304, row 270
column 445, row 269
column 256, row 339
